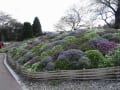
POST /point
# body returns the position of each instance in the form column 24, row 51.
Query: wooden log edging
column 110, row 73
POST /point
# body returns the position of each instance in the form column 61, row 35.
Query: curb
column 15, row 76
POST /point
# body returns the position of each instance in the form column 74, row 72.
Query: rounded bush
column 97, row 59
column 83, row 62
column 62, row 65
column 36, row 67
column 90, row 34
column 114, row 56
column 108, row 36
column 102, row 45
column 46, row 60
column 71, row 55
column 69, row 41
column 50, row 66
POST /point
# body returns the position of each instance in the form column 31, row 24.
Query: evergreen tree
column 27, row 30
column 37, row 30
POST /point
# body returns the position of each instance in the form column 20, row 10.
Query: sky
column 48, row 11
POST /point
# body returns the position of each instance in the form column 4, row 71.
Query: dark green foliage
column 50, row 66
column 62, row 65
column 52, row 51
column 84, row 62
column 90, row 34
column 97, row 59
column 27, row 30
column 114, row 56
column 69, row 41
column 37, row 30
column 36, row 67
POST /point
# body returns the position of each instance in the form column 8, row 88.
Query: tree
column 109, row 9
column 75, row 18
column 71, row 20
column 27, row 30
column 37, row 30
column 4, row 18
column 6, row 26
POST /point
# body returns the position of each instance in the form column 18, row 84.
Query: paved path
column 7, row 82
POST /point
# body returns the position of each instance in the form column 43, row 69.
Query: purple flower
column 71, row 55
column 106, row 47
column 102, row 45
column 34, row 60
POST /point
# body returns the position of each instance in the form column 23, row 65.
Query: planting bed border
column 109, row 73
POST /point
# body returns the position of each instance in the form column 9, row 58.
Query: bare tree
column 4, row 18
column 72, row 20
column 109, row 10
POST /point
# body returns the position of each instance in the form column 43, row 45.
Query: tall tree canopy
column 37, row 30
column 27, row 30
column 108, row 9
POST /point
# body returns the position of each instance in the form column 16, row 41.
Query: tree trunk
column 117, row 16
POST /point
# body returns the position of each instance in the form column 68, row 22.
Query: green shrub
column 108, row 36
column 57, row 48
column 62, row 65
column 114, row 56
column 90, row 34
column 36, row 48
column 54, row 50
column 84, row 62
column 97, row 60
column 4, row 50
column 69, row 41
column 27, row 65
column 46, row 53
column 36, row 67
column 85, row 46
column 70, row 38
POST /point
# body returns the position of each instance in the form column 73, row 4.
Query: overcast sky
column 48, row 11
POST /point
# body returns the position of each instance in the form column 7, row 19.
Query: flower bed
column 110, row 73
column 68, row 52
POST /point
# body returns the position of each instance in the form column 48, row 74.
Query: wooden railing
column 111, row 73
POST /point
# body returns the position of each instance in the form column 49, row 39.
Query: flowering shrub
column 46, row 60
column 93, row 42
column 58, row 42
column 106, row 47
column 34, row 60
column 28, row 58
column 72, row 55
column 102, row 45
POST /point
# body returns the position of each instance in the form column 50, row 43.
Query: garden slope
column 68, row 51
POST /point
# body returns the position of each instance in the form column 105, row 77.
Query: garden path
column 7, row 82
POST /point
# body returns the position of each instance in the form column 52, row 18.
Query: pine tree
column 37, row 30
column 27, row 30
